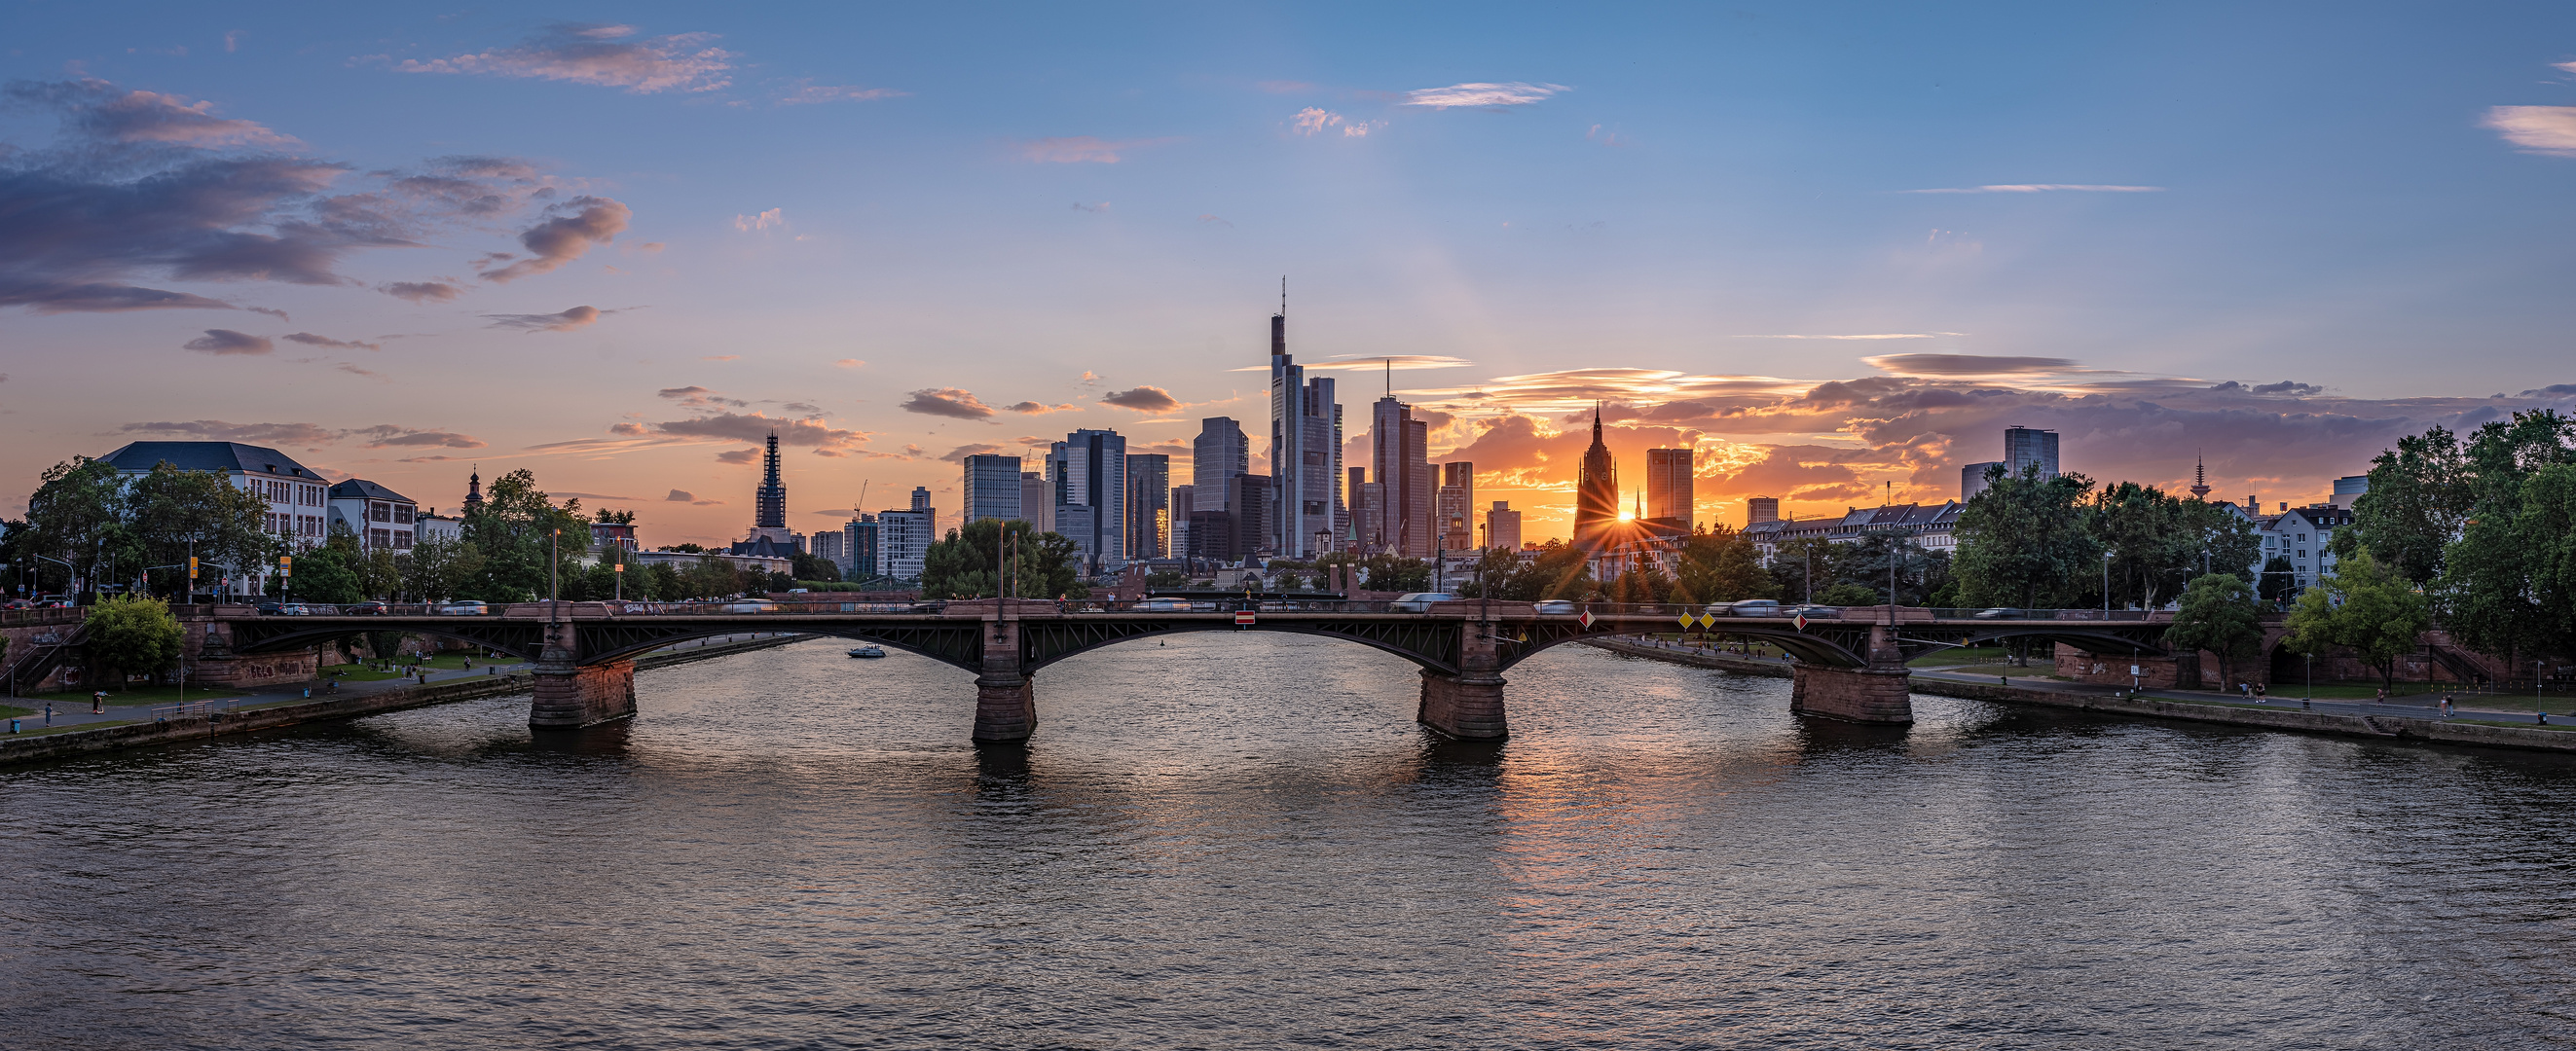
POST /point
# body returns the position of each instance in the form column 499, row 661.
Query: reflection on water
column 1244, row 841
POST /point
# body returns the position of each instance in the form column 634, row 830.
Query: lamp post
column 554, row 566
column 2106, row 584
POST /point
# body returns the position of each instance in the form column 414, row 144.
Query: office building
column 1149, row 506
column 1596, row 493
column 1668, row 489
column 1972, row 479
column 1218, row 453
column 1761, row 509
column 992, row 488
column 1399, row 458
column 833, row 547
column 862, row 558
column 2024, row 446
column 1254, row 507
column 1305, row 448
column 2348, row 489
column 1178, row 544
column 1211, row 537
column 1087, row 472
column 1455, row 506
column 1503, row 527
column 904, row 537
column 1037, row 501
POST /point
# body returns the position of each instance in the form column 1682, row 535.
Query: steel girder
column 1431, row 644
column 518, row 638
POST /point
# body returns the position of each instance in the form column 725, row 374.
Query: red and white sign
column 1243, row 619
column 1800, row 621
column 1586, row 618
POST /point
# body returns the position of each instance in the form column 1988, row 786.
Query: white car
column 1163, row 605
column 463, row 608
column 1752, row 607
column 1554, row 605
column 752, row 606
column 1418, row 601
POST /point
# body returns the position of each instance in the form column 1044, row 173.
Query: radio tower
column 2199, row 478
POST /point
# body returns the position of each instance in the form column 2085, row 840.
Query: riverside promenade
column 2381, row 719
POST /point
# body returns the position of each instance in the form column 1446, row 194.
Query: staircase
column 43, row 657
column 2458, row 664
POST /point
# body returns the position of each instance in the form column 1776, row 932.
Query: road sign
column 1586, row 618
column 1243, row 619
column 1708, row 620
column 1689, row 621
column 1800, row 620
column 192, row 567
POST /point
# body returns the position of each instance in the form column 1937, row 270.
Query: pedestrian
column 49, row 713
column 98, row 702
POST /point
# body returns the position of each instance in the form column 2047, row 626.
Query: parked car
column 366, row 609
column 1554, row 605
column 1752, row 607
column 2000, row 613
column 1814, row 612
column 1163, row 605
column 270, row 609
column 295, row 609
column 1419, row 601
column 18, row 603
column 755, row 605
column 463, row 608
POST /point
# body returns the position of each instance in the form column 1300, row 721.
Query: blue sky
column 814, row 216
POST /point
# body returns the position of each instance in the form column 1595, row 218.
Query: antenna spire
column 1283, row 294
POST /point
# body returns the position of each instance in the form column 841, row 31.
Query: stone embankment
column 2442, row 731
column 32, row 747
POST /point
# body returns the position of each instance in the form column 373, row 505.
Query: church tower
column 1596, row 493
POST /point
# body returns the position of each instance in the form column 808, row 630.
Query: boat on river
column 869, row 650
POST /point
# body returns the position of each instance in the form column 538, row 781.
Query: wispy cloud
column 1382, row 362
column 562, row 322
column 386, row 436
column 326, row 342
column 423, row 292
column 761, row 221
column 806, row 94
column 570, row 229
column 602, row 55
column 1865, row 335
column 1966, row 365
column 1081, row 149
column 227, row 341
column 219, row 431
column 2041, row 187
column 849, row 363
column 946, row 401
column 1514, row 93
column 2538, row 129
column 1033, row 408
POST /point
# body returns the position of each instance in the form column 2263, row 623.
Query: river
column 1243, row 841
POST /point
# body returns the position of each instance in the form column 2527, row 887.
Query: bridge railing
column 824, row 606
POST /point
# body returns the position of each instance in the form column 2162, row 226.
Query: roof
column 208, row 456
column 362, row 489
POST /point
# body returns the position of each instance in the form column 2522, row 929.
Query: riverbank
column 288, row 711
column 2468, row 728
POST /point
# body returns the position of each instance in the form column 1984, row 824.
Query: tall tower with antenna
column 2199, row 478
column 1305, row 448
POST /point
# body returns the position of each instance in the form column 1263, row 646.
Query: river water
column 1243, row 841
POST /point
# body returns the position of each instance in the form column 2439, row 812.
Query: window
column 2303, row 554
column 380, row 538
column 402, row 514
column 402, row 539
column 377, row 512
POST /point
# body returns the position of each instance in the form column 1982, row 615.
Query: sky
column 1835, row 248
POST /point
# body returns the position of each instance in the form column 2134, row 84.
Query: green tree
column 1166, row 579
column 2218, row 614
column 2420, row 496
column 436, row 568
column 328, row 573
column 2228, row 542
column 515, row 530
column 667, row 583
column 176, row 514
column 2022, row 541
column 2489, row 596
column 131, row 635
column 1803, row 568
column 1719, row 565
column 1850, row 595
column 2546, row 525
column 816, row 568
column 2365, row 607
column 2280, row 580
column 77, row 514
column 962, row 565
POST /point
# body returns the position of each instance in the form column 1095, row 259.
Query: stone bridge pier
column 569, row 696
column 1468, row 705
column 1006, row 700
column 1877, row 692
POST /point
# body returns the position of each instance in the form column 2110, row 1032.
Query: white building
column 2300, row 536
column 297, row 505
column 377, row 516
column 904, row 537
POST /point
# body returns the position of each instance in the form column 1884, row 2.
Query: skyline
column 1797, row 244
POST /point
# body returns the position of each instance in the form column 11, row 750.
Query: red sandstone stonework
column 2178, row 672
column 1468, row 708
column 570, row 698
column 1856, row 695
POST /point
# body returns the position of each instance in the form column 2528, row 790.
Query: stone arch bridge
column 1850, row 668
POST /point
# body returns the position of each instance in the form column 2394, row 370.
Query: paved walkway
column 73, row 710
column 2417, row 707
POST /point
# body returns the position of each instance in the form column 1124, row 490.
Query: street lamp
column 2106, row 584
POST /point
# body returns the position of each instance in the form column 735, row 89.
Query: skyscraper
column 1456, row 506
column 1668, row 488
column 1149, row 506
column 1088, row 472
column 1596, row 493
column 1761, row 509
column 769, row 505
column 1972, row 479
column 1305, row 447
column 1218, row 453
column 1503, row 527
column 992, row 488
column 1399, row 460
column 2024, row 446
column 904, row 536
column 1037, row 501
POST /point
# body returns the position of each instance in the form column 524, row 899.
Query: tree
column 2022, row 541
column 131, row 634
column 2143, row 530
column 1165, row 579
column 515, row 530
column 2365, row 607
column 328, row 573
column 962, row 565
column 1802, row 568
column 77, row 515
column 176, row 514
column 816, row 568
column 2488, row 594
column 1867, row 562
column 2546, row 526
column 2218, row 614
column 2419, row 498
column 1720, row 565
column 1849, row 595
column 608, row 517
column 436, row 567
column 2279, row 580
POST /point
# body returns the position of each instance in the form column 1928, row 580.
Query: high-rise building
column 865, row 559
column 1037, row 501
column 1399, row 458
column 992, row 488
column 1254, row 509
column 1211, row 537
column 2024, row 446
column 770, row 505
column 1088, row 473
column 1503, row 527
column 2349, row 490
column 1178, row 544
column 1149, row 506
column 1761, row 509
column 904, row 537
column 1218, row 453
column 1596, row 493
column 1972, row 479
column 833, row 547
column 1668, row 489
column 1305, row 447
column 1456, row 506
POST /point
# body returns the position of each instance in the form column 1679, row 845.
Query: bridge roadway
column 1849, row 668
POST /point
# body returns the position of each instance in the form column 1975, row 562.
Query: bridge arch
column 265, row 637
column 1429, row 646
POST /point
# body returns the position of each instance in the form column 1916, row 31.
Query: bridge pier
column 569, row 696
column 1006, row 701
column 1468, row 705
column 1876, row 693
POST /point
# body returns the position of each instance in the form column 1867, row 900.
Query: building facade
column 1503, row 527
column 298, row 499
column 380, row 518
column 1455, row 506
column 2024, row 446
column 992, row 488
column 1668, row 489
column 904, row 537
column 1400, row 461
column 1305, row 449
column 1219, row 452
column 1088, row 471
column 1761, row 509
column 1149, row 506
column 1972, row 479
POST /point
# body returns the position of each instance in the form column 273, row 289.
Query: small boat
column 870, row 650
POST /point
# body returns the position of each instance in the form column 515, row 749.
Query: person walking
column 98, row 702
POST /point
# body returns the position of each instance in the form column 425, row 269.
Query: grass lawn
column 2035, row 671
column 366, row 671
column 8, row 710
column 140, row 695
